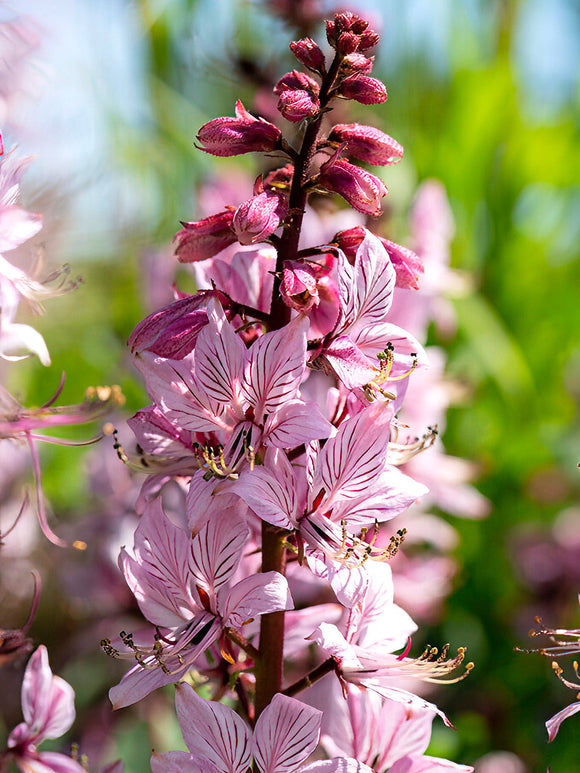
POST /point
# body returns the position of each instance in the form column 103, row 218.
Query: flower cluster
column 275, row 398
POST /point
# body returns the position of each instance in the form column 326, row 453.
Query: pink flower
column 367, row 143
column 219, row 740
column 48, row 708
column 362, row 333
column 361, row 189
column 185, row 587
column 243, row 134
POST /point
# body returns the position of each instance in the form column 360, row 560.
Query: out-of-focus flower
column 48, row 708
column 14, row 643
column 22, row 424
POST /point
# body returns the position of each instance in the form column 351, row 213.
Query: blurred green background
column 484, row 97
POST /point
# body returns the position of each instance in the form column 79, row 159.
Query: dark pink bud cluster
column 205, row 238
column 348, row 33
column 361, row 189
column 367, row 143
column 406, row 263
column 298, row 96
column 245, row 133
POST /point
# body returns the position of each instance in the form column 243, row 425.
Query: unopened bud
column 368, row 39
column 356, row 64
column 259, row 217
column 172, row 331
column 309, row 53
column 245, row 133
column 205, row 238
column 361, row 189
column 298, row 96
column 367, row 91
column 347, row 43
column 367, row 143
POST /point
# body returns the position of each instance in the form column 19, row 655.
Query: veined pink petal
column 295, row 423
column 422, row 764
column 270, row 490
column 353, row 459
column 216, row 552
column 220, row 357
column 392, row 493
column 553, row 724
column 213, row 731
column 374, row 338
column 374, row 278
column 254, row 596
column 277, row 364
column 158, row 574
column 139, row 682
column 181, row 762
column 350, row 365
column 286, row 734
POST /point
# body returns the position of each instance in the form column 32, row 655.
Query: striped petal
column 286, row 734
column 213, row 731
column 277, row 364
column 216, row 551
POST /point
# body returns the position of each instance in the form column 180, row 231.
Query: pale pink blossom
column 48, row 709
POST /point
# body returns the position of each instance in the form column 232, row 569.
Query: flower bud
column 368, row 39
column 357, row 64
column 298, row 96
column 172, row 331
column 245, row 133
column 259, row 217
column 367, row 143
column 205, row 238
column 367, row 91
column 308, row 287
column 347, row 43
column 361, row 189
column 309, row 53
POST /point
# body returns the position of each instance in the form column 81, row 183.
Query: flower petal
column 286, row 734
column 213, row 731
